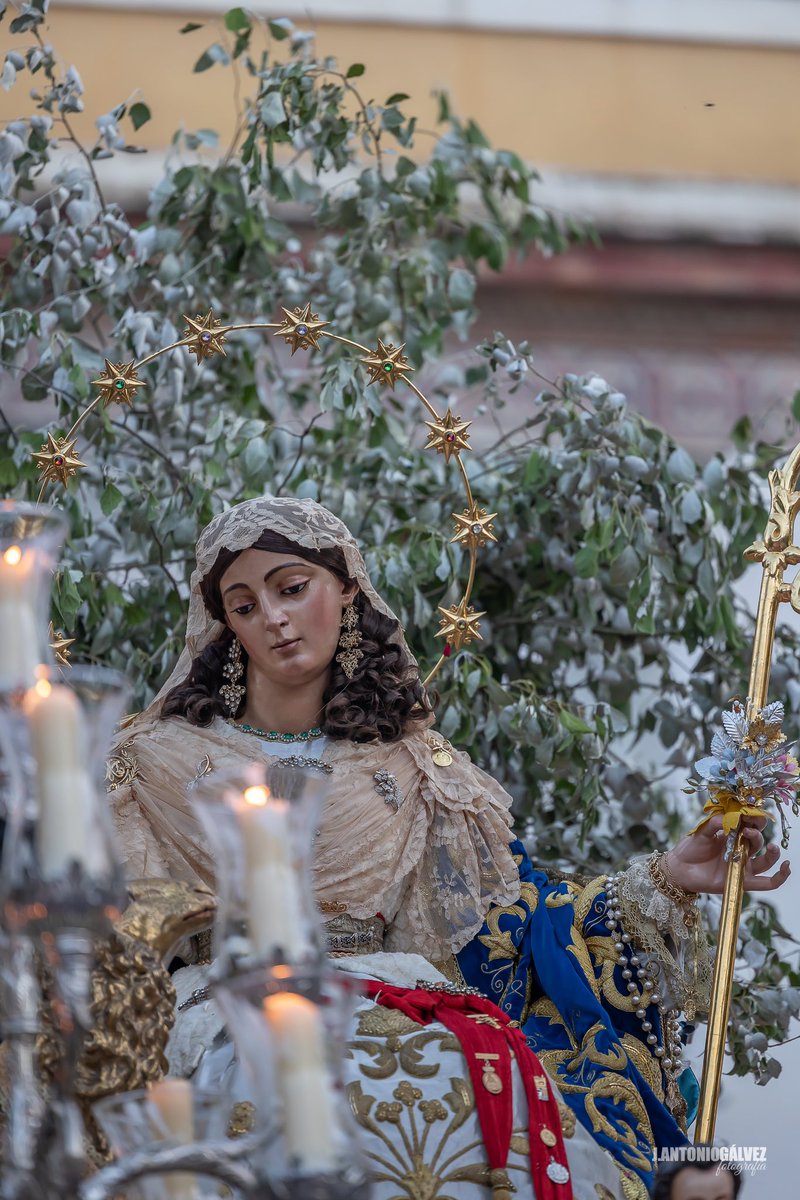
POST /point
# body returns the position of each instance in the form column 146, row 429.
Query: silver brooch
column 308, row 764
column 386, row 786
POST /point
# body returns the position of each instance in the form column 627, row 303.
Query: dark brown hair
column 382, row 701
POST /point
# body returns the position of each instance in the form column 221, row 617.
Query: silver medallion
column 557, row 1172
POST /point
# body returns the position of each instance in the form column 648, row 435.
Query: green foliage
column 613, row 632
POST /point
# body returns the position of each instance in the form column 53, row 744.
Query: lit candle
column 274, row 908
column 303, row 1081
column 64, row 831
column 174, row 1101
column 19, row 644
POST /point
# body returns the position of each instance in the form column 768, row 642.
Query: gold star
column 448, row 435
column 60, row 645
column 460, row 625
column 474, row 527
column 207, row 335
column 118, row 383
column 302, row 328
column 57, row 460
column 387, row 364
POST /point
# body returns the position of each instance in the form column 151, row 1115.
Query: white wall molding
column 637, row 206
column 722, row 22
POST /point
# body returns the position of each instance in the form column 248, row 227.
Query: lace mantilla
column 302, row 521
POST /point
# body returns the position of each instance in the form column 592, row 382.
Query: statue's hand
column 696, row 864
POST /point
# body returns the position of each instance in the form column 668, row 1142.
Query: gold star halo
column 460, row 625
column 57, row 460
column 60, row 645
column 387, row 364
column 118, row 383
column 302, row 328
column 448, row 435
column 207, row 335
column 473, row 527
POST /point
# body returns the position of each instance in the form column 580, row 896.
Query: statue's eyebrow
column 269, row 574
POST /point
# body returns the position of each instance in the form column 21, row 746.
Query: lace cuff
column 636, row 886
column 656, row 925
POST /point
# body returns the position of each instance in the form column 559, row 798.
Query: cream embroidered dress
column 431, row 862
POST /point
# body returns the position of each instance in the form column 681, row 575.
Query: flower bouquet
column 749, row 766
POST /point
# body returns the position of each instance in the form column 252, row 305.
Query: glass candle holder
column 171, row 1113
column 31, row 537
column 59, row 864
column 260, row 824
column 303, row 1013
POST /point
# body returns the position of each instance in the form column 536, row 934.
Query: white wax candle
column 19, row 642
column 64, row 829
column 303, row 1081
column 174, row 1101
column 274, row 907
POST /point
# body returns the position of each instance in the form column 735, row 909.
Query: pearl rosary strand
column 629, row 961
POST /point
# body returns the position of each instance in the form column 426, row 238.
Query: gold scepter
column 775, row 553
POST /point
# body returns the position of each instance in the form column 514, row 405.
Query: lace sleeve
column 657, row 926
column 636, row 888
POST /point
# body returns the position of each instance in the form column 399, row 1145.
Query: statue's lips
column 282, row 647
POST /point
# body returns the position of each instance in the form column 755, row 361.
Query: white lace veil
column 303, row 522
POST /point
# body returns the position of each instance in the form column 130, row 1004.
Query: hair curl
column 382, row 701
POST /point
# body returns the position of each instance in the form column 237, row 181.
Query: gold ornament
column 490, row 1079
column 547, row 1136
column 57, row 460
column 242, row 1119
column 460, row 625
column 387, row 364
column 132, row 996
column 302, row 329
column 60, row 645
column 118, row 383
column 441, row 750
column 207, row 335
column 473, row 527
column 448, row 435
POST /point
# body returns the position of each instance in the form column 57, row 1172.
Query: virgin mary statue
column 291, row 653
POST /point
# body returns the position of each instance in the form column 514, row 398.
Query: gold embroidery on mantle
column 568, row 1120
column 632, row 1186
column 410, row 1145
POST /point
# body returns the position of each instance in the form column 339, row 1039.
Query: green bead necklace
column 270, row 735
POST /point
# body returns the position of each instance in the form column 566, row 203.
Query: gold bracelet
column 670, row 889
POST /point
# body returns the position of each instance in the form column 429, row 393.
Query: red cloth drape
column 482, row 1029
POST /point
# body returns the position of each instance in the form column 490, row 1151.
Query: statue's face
column 286, row 612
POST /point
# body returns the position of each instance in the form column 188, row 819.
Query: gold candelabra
column 776, row 552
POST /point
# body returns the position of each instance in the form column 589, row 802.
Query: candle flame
column 12, row 556
column 42, row 687
column 282, row 971
column 257, row 796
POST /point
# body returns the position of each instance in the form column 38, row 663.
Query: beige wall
column 574, row 102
